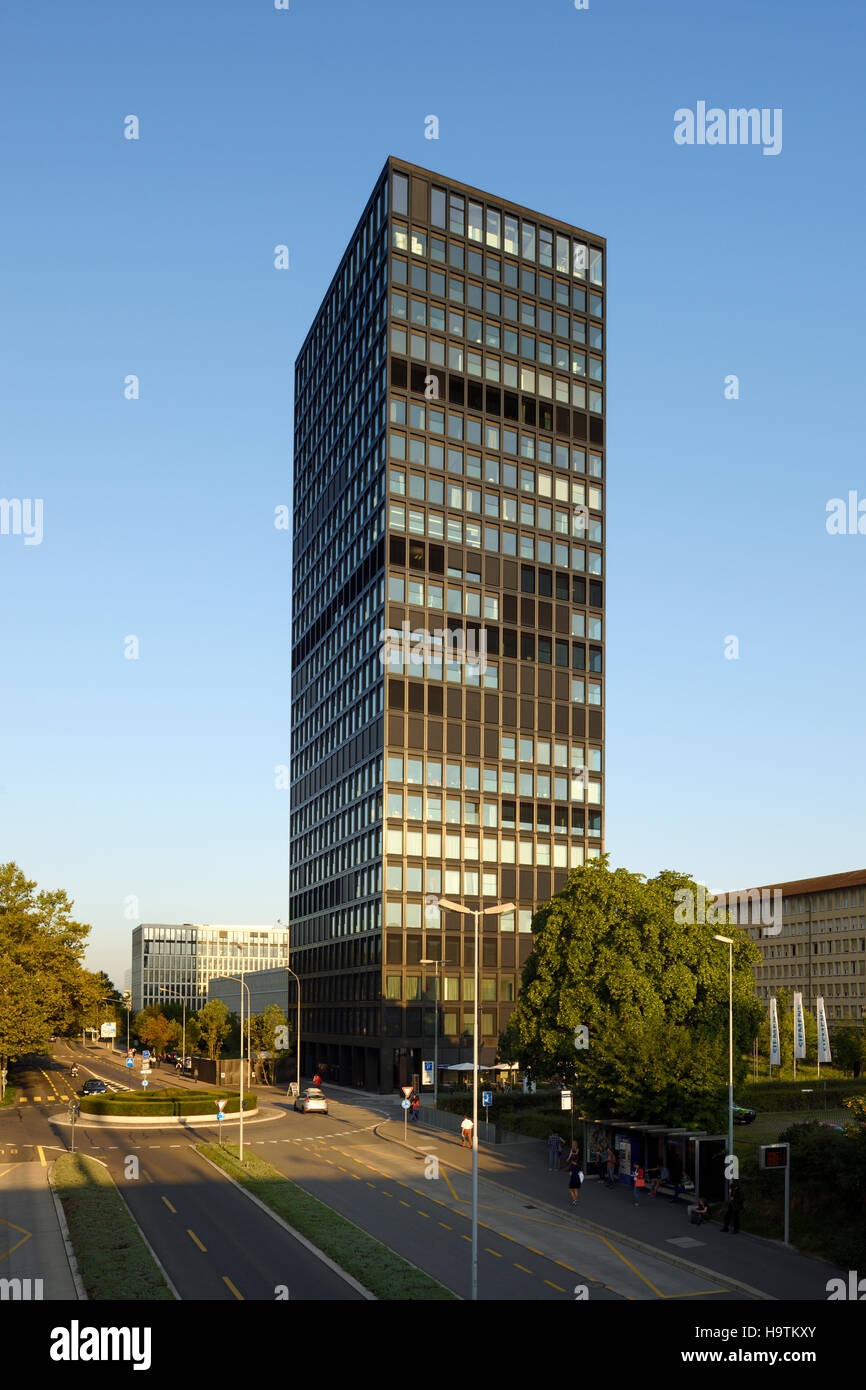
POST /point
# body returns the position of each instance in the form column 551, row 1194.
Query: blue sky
column 153, row 779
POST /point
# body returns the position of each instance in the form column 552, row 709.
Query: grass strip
column 10, row 1095
column 112, row 1258
column 379, row 1269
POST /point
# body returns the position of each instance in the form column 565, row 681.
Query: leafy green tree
column 214, row 1022
column 848, row 1046
column 263, row 1036
column 610, row 956
column 41, row 976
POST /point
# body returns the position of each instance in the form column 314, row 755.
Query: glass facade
column 177, row 962
column 448, row 673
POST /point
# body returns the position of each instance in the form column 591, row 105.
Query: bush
column 776, row 1095
column 170, row 1101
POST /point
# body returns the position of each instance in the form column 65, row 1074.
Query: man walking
column 555, row 1145
column 466, row 1132
column 610, row 1164
column 736, row 1201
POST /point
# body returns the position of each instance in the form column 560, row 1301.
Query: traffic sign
column 221, row 1105
column 129, row 1061
column 145, row 1054
column 565, row 1100
column 144, row 1082
column 220, row 1115
column 486, row 1097
column 407, row 1091
column 405, row 1104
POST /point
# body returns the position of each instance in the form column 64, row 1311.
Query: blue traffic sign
column 486, row 1097
column 405, row 1104
column 220, row 1115
column 144, row 1082
column 145, row 1053
column 129, row 1061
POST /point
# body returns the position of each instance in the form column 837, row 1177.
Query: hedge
column 814, row 1095
column 169, row 1101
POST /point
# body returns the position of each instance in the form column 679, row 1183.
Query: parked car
column 312, row 1099
column 742, row 1116
column 93, row 1087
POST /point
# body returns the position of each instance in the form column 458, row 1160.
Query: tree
column 849, row 1049
column 611, row 954
column 41, row 976
column 213, row 1019
column 156, row 1031
column 264, row 1037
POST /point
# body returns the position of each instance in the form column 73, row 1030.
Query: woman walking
column 575, row 1175
column 639, row 1184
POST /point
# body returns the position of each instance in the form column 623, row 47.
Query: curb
column 302, row 1240
column 153, row 1255
column 632, row 1241
column 135, row 1121
column 80, row 1291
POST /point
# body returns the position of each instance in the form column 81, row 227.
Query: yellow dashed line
column 493, row 1252
column 373, row 1185
column 404, row 1204
column 387, row 1194
column 445, row 1224
column 424, row 1213
column 169, row 1205
column 202, row 1248
column 463, row 1237
column 554, row 1286
column 41, row 1153
column 523, row 1267
column 237, row 1294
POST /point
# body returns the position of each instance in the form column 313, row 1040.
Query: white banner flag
column 775, row 1049
column 799, row 1027
column 824, row 1054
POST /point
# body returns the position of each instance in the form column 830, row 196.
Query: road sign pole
column 787, row 1197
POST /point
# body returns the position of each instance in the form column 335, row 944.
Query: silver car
column 312, row 1099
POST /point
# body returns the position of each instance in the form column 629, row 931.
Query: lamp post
column 495, row 910
column 239, row 947
column 182, row 1000
column 729, row 942
column 298, row 1043
column 438, row 965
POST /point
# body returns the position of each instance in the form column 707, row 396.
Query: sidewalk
column 31, row 1245
column 658, row 1226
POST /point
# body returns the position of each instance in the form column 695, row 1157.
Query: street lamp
column 438, row 965
column 729, row 942
column 495, row 910
column 163, row 989
column 291, row 972
column 239, row 947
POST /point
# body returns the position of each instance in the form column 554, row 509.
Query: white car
column 312, row 1099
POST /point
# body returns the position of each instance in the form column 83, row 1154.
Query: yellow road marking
column 202, row 1248
column 355, row 1176
column 450, row 1185
column 699, row 1293
column 424, row 1213
column 227, row 1280
column 169, row 1205
column 563, row 1265
column 39, row 1098
column 554, row 1286
column 463, row 1237
column 41, row 1154
column 404, row 1204
column 533, row 1251
column 387, row 1194
column 25, row 1235
column 372, row 1184
column 493, row 1252
column 445, row 1224
column 523, row 1267
column 7, row 1170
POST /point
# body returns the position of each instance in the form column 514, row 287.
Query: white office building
column 173, row 962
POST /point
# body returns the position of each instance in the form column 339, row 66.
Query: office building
column 821, row 949
column 449, row 481
column 172, row 962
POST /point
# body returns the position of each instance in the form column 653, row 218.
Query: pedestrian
column 466, row 1132
column 317, row 1080
column 639, row 1184
column 555, row 1145
column 610, row 1165
column 662, row 1175
column 195, row 1074
column 575, row 1174
column 415, row 1106
column 700, row 1212
column 736, row 1201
